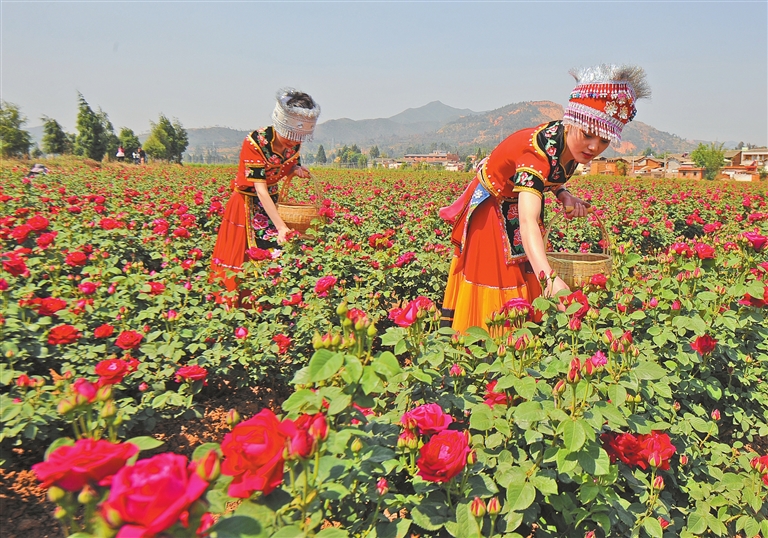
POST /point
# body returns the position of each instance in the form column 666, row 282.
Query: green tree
column 110, row 140
column 129, row 140
column 711, row 158
column 167, row 140
column 321, row 158
column 647, row 152
column 91, row 139
column 374, row 152
column 14, row 141
column 621, row 168
column 55, row 140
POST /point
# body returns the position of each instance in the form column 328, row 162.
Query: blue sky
column 220, row 63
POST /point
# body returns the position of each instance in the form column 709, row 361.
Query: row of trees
column 95, row 136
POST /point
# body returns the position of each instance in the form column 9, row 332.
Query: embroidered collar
column 550, row 142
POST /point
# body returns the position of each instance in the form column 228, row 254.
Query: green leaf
column 396, row 529
column 303, row 399
column 324, row 364
column 202, row 450
column 653, row 527
column 465, row 521
column 610, row 412
column 430, row 516
column 646, row 371
column 696, row 523
column 386, row 364
column 545, row 484
column 574, row 435
column 289, row 532
column 371, row 382
column 525, row 387
column 521, row 496
column 595, row 461
column 145, row 442
column 481, row 418
column 530, row 412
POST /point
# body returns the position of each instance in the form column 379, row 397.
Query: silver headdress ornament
column 603, row 101
column 294, row 122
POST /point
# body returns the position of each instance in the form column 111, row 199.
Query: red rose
column 293, row 300
column 192, row 372
column 181, row 232
column 109, row 224
column 103, row 331
column 50, row 305
column 62, row 335
column 405, row 259
column 304, row 434
column 129, row 340
column 405, row 317
column 324, row 285
column 156, row 288
column 253, row 455
column 443, row 456
column 153, row 495
column 45, row 240
column 86, row 462
column 599, row 280
column 88, row 288
column 38, row 223
column 283, row 343
column 16, row 266
column 428, row 418
column 111, row 371
column 258, row 254
column 577, row 297
column 704, row 344
column 20, row 233
column 494, row 398
column 76, row 259
column 656, row 449
column 624, row 447
column 757, row 240
column 85, row 388
column 704, row 251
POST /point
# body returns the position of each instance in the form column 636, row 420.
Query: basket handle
column 287, row 184
column 590, row 210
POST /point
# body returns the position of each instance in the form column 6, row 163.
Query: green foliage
column 94, row 131
column 321, row 158
column 167, row 140
column 128, row 140
column 711, row 158
column 55, row 140
column 14, row 141
column 373, row 153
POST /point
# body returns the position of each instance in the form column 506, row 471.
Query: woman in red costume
column 498, row 222
column 268, row 156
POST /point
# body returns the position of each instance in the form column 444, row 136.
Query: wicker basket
column 298, row 216
column 576, row 268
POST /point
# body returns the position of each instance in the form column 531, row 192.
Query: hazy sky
column 220, row 62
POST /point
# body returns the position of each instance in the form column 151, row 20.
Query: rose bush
column 642, row 357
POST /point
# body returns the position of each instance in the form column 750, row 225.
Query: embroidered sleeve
column 527, row 180
column 255, row 172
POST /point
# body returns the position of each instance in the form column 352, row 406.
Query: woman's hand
column 554, row 286
column 282, row 235
column 301, row 171
column 580, row 207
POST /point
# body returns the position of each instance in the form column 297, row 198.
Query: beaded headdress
column 603, row 101
column 294, row 122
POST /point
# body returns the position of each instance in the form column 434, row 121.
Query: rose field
column 636, row 406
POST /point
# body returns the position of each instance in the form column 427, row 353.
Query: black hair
column 301, row 100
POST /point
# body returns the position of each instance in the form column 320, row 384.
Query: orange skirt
column 479, row 280
column 231, row 243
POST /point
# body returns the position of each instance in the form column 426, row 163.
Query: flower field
column 635, row 407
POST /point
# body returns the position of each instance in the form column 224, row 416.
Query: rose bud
column 104, row 393
column 663, row 522
column 357, row 445
column 65, row 406
column 559, row 387
column 60, row 513
column 477, row 507
column 209, row 468
column 493, row 506
column 716, row 415
column 683, row 459
column 382, row 486
column 109, row 410
column 232, row 418
column 56, row 494
column 87, row 495
column 658, row 482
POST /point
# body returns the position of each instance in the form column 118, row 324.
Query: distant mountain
column 432, row 126
column 431, row 112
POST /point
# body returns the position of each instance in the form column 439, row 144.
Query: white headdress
column 294, row 122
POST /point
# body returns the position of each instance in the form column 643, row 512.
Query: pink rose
column 428, row 418
column 324, row 285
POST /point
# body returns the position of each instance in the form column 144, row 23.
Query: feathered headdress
column 603, row 101
column 294, row 122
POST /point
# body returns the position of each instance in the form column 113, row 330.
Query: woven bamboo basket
column 577, row 268
column 298, row 215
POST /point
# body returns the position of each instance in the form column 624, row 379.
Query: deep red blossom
column 704, row 251
column 258, row 254
column 444, row 456
column 492, row 397
column 294, row 299
column 111, row 371
column 63, row 334
column 38, row 223
column 704, row 344
column 46, row 239
column 324, row 285
column 129, row 340
column 156, row 288
column 191, row 372
column 49, row 306
column 103, row 331
column 76, row 259
column 283, row 343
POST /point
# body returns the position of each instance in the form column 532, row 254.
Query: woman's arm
column 269, row 206
column 529, row 206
